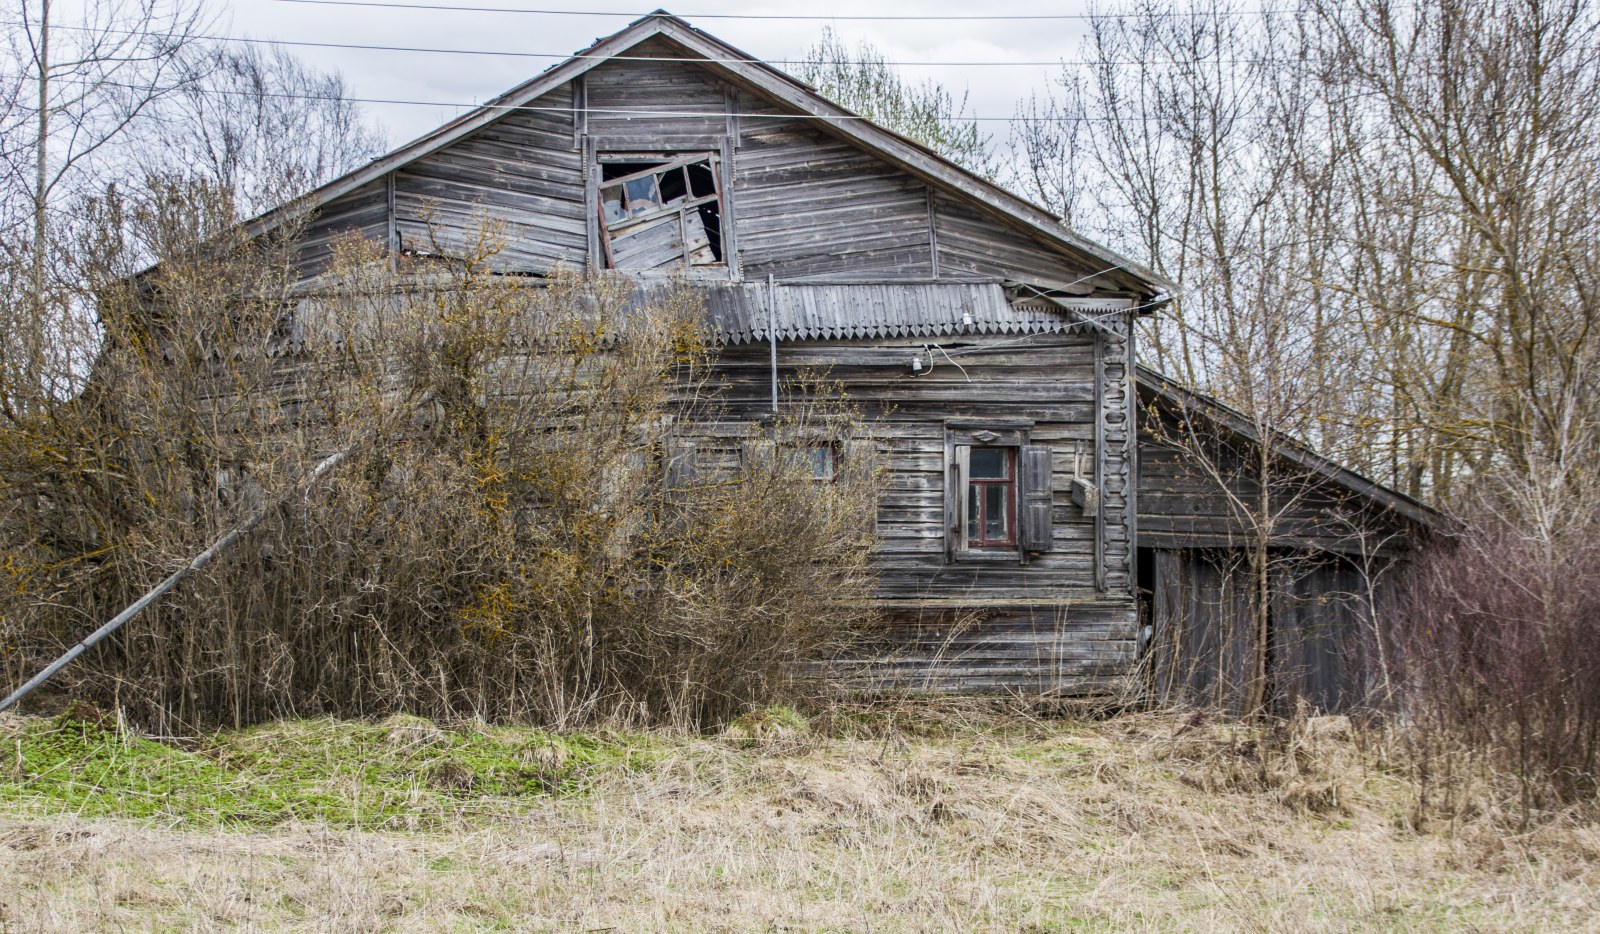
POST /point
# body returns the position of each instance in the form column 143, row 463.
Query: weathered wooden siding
column 804, row 204
column 1070, row 647
column 363, row 212
column 1048, row 379
column 1199, row 651
column 1322, row 623
column 811, row 206
column 1203, row 646
column 972, row 242
column 523, row 173
column 1201, row 488
column 655, row 106
column 1069, row 608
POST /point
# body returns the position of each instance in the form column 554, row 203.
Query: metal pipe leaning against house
column 134, row 609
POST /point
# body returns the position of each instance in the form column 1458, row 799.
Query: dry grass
column 887, row 820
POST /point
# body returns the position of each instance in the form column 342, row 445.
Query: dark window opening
column 991, row 497
column 816, row 460
column 656, row 214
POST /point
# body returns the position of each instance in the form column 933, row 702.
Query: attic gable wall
column 810, row 205
column 972, row 243
column 524, row 171
column 363, row 212
column 670, row 88
column 1192, row 472
column 805, row 204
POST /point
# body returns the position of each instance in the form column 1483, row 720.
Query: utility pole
column 35, row 336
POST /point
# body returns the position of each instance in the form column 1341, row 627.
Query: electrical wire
column 562, row 56
column 608, row 111
column 852, row 17
column 689, row 60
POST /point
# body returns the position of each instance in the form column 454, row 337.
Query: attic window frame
column 669, row 161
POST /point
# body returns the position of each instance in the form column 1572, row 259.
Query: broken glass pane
column 642, row 195
column 673, row 187
column 659, row 214
column 701, row 182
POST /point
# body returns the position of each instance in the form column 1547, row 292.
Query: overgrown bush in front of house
column 532, row 523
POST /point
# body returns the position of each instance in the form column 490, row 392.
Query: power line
column 534, row 108
column 633, row 112
column 697, row 61
column 1167, row 14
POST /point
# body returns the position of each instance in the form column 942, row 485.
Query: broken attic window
column 661, row 213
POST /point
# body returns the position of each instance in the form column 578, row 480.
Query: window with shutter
column 1000, row 491
column 990, row 501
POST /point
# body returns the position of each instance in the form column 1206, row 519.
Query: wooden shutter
column 955, row 501
column 1034, row 498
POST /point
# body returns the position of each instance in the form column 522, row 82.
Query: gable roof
column 1187, row 400
column 741, row 69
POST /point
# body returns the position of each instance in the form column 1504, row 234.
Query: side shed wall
column 1203, row 641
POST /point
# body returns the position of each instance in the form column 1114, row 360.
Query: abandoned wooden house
column 1041, row 530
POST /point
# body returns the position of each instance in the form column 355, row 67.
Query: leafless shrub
column 1498, row 647
column 533, row 522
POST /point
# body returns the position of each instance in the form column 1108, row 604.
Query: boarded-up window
column 657, row 214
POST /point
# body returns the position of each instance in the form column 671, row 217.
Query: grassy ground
column 895, row 819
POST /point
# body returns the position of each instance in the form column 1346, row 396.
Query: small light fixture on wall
column 916, row 364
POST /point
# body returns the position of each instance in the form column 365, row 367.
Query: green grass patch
column 401, row 773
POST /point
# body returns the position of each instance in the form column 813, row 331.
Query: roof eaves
column 1290, row 449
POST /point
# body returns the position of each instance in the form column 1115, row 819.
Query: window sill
column 716, row 273
column 996, row 556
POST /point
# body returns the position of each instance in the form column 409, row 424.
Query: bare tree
column 860, row 80
column 1381, row 216
column 89, row 74
column 1187, row 145
column 1471, row 130
column 256, row 121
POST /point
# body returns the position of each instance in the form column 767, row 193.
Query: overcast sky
column 994, row 90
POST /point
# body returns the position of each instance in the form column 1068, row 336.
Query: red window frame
column 979, row 520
